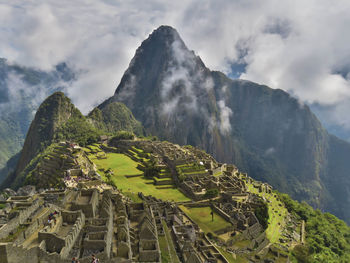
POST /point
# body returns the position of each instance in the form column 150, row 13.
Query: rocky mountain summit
column 265, row 132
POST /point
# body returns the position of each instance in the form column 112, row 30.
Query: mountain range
column 264, row 132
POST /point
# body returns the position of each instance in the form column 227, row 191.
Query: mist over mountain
column 22, row 89
column 264, row 131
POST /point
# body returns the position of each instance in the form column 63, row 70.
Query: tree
column 262, row 214
column 211, row 193
column 151, row 169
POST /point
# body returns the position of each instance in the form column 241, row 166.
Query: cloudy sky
column 299, row 46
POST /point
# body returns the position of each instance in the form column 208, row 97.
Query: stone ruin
column 84, row 219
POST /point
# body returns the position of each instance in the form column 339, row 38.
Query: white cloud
column 298, row 46
column 183, row 83
column 270, row 151
column 225, row 114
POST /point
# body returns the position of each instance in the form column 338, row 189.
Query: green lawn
column 232, row 258
column 163, row 245
column 171, row 249
column 119, row 163
column 122, row 165
column 202, row 217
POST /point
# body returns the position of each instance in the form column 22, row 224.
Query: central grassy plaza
column 122, row 166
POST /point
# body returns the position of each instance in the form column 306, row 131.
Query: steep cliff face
column 263, row 131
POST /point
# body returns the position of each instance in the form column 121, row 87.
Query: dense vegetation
column 327, row 237
column 262, row 214
column 79, row 131
column 115, row 117
column 211, row 193
column 123, row 135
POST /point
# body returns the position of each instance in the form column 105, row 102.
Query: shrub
column 211, row 193
column 123, row 135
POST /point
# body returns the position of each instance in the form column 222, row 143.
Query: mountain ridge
column 265, row 132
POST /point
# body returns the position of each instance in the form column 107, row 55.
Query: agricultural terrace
column 191, row 169
column 128, row 178
column 277, row 214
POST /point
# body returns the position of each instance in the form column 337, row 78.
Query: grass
column 94, row 147
column 277, row 214
column 231, row 258
column 2, row 206
column 162, row 179
column 164, row 251
column 133, row 196
column 171, row 247
column 122, row 165
column 195, row 172
column 119, row 163
column 13, row 237
column 242, row 243
column 218, row 174
column 137, row 149
column 202, row 217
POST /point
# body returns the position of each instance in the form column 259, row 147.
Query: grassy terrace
column 170, row 252
column 202, row 217
column 188, row 169
column 231, row 258
column 164, row 250
column 277, row 213
column 122, row 165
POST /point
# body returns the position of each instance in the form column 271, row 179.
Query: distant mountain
column 265, row 132
column 22, row 89
column 57, row 119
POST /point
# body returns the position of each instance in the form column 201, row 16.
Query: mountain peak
column 165, row 30
column 165, row 34
column 54, row 111
column 162, row 55
column 161, row 40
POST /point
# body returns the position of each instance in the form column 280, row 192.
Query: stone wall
column 22, row 217
column 89, row 183
column 223, row 214
column 15, row 254
column 90, row 207
column 34, row 226
column 58, row 244
column 73, row 234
